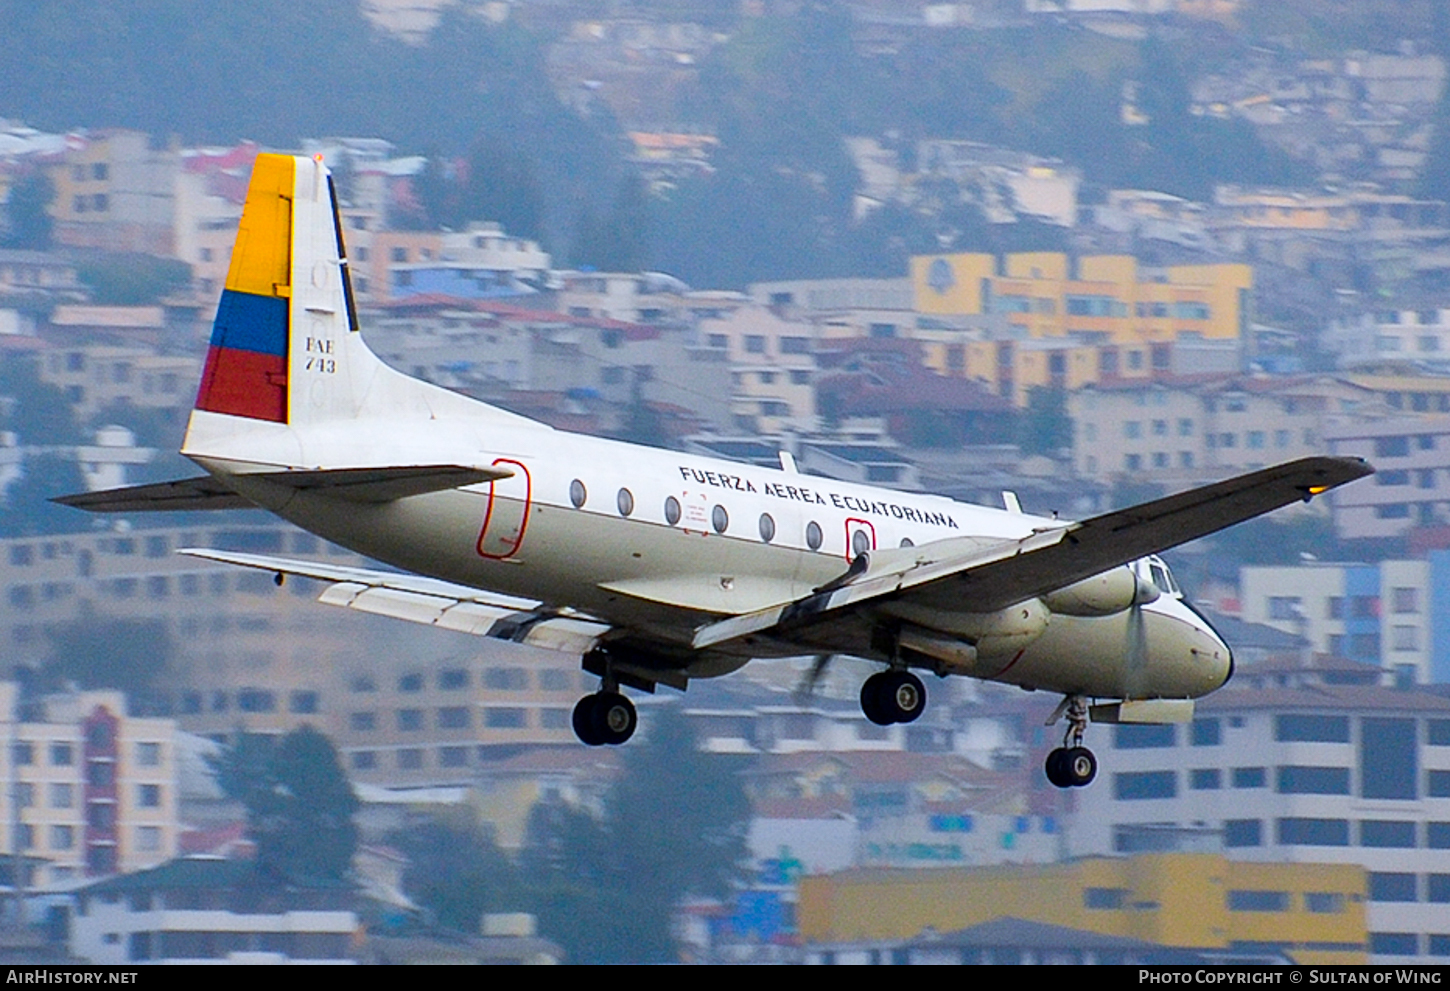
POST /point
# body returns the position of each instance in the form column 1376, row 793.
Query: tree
column 300, row 805
column 456, row 872
column 27, row 219
column 1045, row 427
column 127, row 279
column 35, row 410
column 132, row 655
column 674, row 826
column 28, row 510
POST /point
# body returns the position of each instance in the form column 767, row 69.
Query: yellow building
column 1314, row 912
column 1106, row 299
column 1071, row 322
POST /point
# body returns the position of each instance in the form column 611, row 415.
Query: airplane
column 657, row 567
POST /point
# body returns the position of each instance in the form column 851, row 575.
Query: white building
column 87, row 789
column 1375, row 613
column 208, row 910
column 1296, row 769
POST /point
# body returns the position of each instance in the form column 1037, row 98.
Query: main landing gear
column 895, row 696
column 1072, row 765
column 605, row 718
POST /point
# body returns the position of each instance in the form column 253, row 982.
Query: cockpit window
column 1163, row 578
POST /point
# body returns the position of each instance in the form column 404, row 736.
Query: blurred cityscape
column 1084, row 251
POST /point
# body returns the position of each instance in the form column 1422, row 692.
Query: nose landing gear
column 895, row 696
column 1072, row 765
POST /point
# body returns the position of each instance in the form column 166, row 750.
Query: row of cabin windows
column 720, row 519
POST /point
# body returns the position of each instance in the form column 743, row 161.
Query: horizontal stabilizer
column 384, row 484
column 434, row 602
column 202, row 492
column 356, row 484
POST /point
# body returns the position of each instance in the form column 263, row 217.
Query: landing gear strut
column 604, row 718
column 895, row 696
column 1072, row 765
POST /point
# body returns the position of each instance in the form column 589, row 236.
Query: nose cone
column 1213, row 658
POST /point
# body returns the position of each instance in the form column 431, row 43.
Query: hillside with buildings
column 1085, row 252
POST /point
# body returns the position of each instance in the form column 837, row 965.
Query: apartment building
column 96, row 376
column 772, row 368
column 211, row 911
column 1411, row 485
column 1293, row 768
column 1419, row 334
column 87, row 789
column 1388, row 614
column 405, row 704
column 115, row 190
column 1092, row 298
column 1195, row 429
column 1312, row 911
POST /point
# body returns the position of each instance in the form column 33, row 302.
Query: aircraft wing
column 433, row 602
column 966, row 575
column 367, row 484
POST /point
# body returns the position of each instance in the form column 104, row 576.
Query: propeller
column 1135, row 668
column 806, row 689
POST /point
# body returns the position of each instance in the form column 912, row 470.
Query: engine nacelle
column 1102, row 595
column 991, row 635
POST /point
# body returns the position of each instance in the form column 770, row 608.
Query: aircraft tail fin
column 285, row 346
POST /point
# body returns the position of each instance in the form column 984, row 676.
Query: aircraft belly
column 559, row 556
column 1138, row 653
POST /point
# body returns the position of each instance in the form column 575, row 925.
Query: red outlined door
column 507, row 515
column 860, row 537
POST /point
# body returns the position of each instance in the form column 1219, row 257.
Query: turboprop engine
column 1102, row 595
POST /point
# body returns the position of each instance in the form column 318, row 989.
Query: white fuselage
column 743, row 538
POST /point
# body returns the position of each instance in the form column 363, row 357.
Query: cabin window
column 860, row 543
column 578, row 493
column 767, row 527
column 719, row 519
column 813, row 535
column 907, row 542
column 672, row 510
column 625, row 502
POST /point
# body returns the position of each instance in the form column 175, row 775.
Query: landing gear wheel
column 893, row 697
column 903, row 696
column 872, row 698
column 1056, row 772
column 1080, row 766
column 614, row 718
column 584, row 722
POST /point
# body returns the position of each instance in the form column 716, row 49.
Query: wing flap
column 433, row 602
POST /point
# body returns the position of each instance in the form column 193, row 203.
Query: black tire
column 584, row 722
column 1056, row 768
column 1080, row 767
column 902, row 695
column 614, row 718
column 872, row 700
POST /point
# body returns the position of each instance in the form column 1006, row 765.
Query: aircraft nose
column 1214, row 656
